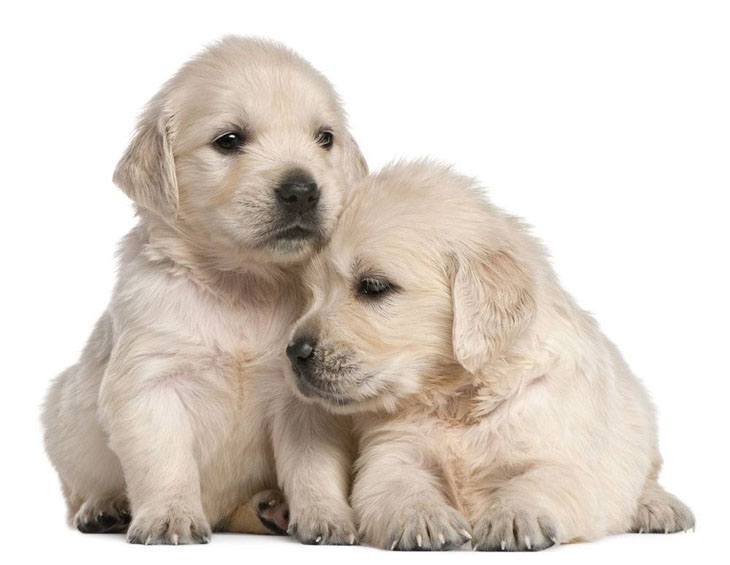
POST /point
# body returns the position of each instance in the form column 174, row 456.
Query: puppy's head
column 422, row 278
column 245, row 152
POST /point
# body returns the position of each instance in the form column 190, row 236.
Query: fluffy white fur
column 488, row 405
column 178, row 402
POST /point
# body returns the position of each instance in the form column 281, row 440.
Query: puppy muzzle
column 314, row 379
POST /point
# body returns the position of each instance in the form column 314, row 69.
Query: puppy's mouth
column 316, row 390
column 295, row 233
column 293, row 236
column 331, row 378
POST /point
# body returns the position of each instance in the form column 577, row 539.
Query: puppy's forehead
column 406, row 220
column 392, row 249
column 256, row 85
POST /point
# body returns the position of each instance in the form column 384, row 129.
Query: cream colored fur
column 488, row 405
column 178, row 403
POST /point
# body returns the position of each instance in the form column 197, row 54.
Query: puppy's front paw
column 425, row 526
column 321, row 525
column 170, row 525
column 505, row 528
column 103, row 516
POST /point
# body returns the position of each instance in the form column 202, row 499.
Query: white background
column 606, row 125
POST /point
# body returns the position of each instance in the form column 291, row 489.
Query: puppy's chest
column 248, row 340
column 256, row 340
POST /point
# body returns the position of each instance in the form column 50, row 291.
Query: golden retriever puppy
column 178, row 403
column 488, row 405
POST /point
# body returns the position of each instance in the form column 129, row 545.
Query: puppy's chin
column 339, row 400
column 338, row 404
column 293, row 250
column 293, row 245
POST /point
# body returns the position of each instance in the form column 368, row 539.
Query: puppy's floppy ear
column 493, row 302
column 354, row 163
column 146, row 172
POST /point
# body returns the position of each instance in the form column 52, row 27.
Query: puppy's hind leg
column 90, row 473
column 660, row 512
column 105, row 515
column 91, row 476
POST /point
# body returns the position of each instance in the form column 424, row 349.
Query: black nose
column 300, row 351
column 298, row 192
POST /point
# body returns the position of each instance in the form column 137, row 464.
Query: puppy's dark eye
column 325, row 138
column 229, row 142
column 374, row 287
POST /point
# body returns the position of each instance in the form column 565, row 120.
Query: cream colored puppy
column 489, row 406
column 238, row 170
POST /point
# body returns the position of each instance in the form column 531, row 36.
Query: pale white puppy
column 238, row 170
column 489, row 406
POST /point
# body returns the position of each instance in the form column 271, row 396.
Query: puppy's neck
column 234, row 280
